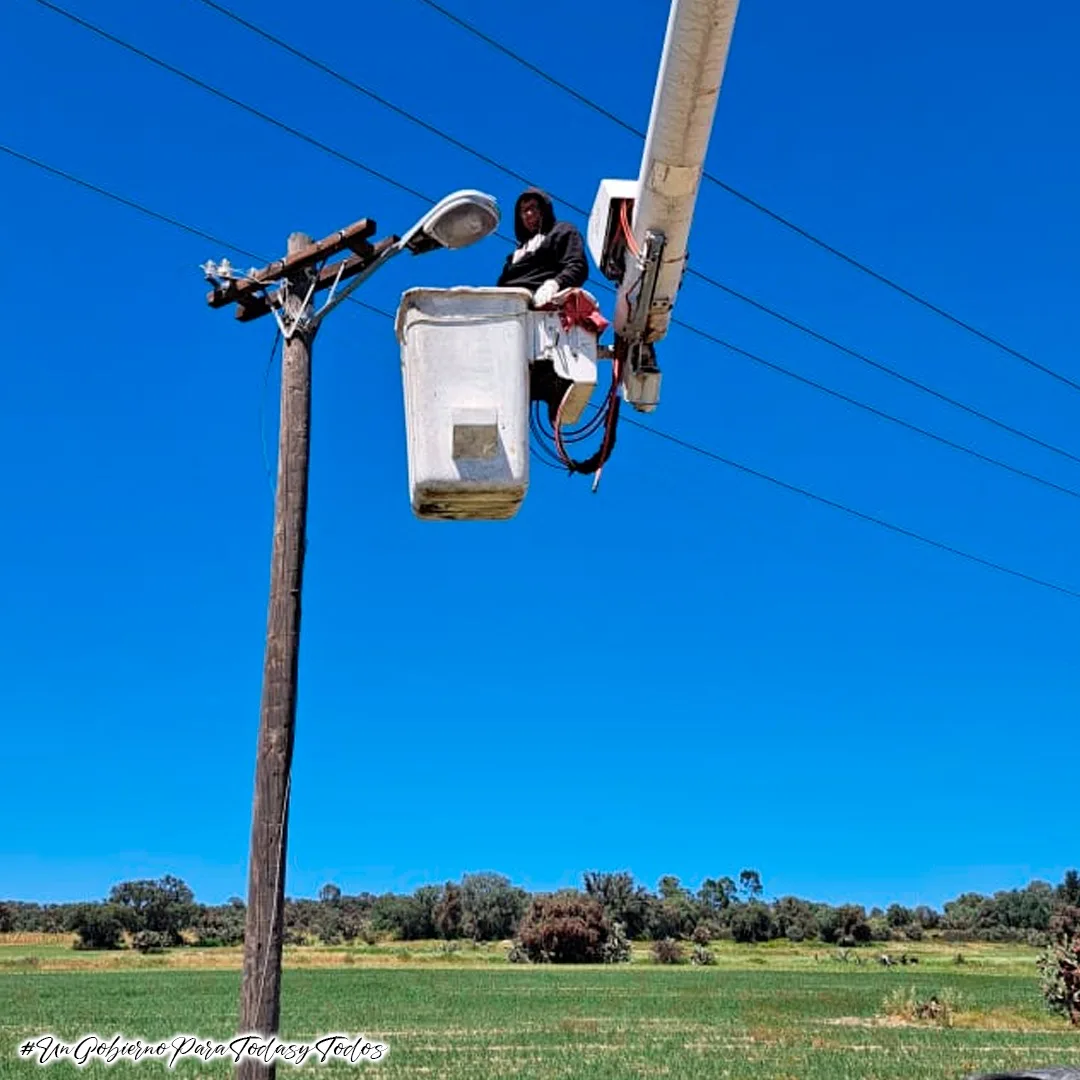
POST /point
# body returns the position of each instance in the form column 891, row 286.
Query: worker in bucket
column 550, row 255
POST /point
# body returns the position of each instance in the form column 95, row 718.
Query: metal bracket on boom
column 641, row 379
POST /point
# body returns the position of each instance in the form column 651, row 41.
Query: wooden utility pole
column 285, row 288
column 260, row 1006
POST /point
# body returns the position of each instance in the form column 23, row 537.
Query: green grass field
column 775, row 1012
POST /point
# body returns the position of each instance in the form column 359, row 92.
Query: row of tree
column 489, row 907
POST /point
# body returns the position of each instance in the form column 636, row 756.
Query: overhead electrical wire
column 259, row 114
column 691, row 271
column 131, row 204
column 141, row 208
column 705, row 335
column 755, row 204
column 885, row 369
column 880, row 413
column 235, row 102
column 1001, row 568
column 900, row 530
column 352, row 84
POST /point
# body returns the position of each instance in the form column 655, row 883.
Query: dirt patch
column 872, row 1022
column 580, row 1025
column 990, row 1020
column 1007, row 1020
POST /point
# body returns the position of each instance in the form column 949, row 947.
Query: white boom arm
column 665, row 193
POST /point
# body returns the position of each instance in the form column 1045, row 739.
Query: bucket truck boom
column 638, row 230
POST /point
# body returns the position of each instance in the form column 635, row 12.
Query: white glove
column 546, row 293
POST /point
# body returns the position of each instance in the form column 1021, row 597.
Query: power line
column 880, row 413
column 352, row 84
column 748, row 470
column 879, row 366
column 755, row 204
column 506, row 170
column 131, row 204
column 266, row 117
column 146, row 211
column 245, row 107
column 1001, row 568
column 701, row 333
column 295, row 132
column 538, row 71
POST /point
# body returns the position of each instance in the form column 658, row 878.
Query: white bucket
column 465, row 370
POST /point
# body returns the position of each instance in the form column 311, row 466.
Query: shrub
column 899, row 916
column 491, row 906
column 667, row 951
column 700, row 935
column 516, row 954
column 220, row 926
column 716, row 895
column 846, row 926
column 751, row 922
column 909, row 1005
column 913, row 932
column 1059, row 965
column 623, row 901
column 673, row 917
column 616, row 950
column 927, row 917
column 166, row 906
column 966, row 935
column 795, row 919
column 702, row 956
column 409, row 918
column 98, row 927
column 447, row 913
column 151, row 941
column 1068, row 892
column 567, row 928
column 879, row 929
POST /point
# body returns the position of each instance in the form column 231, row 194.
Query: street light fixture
column 456, row 221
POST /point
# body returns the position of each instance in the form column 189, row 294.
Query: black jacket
column 560, row 252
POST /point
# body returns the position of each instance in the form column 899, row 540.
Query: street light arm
column 335, row 298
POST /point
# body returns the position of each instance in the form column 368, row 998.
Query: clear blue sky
column 689, row 673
